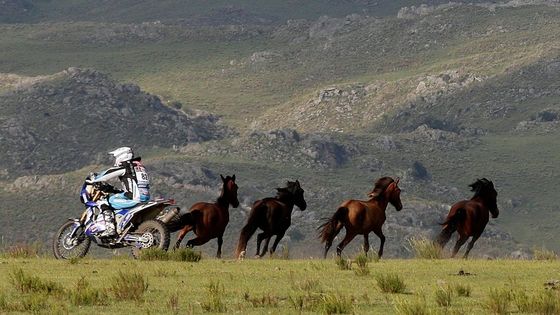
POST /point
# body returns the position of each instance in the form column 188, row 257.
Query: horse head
column 229, row 190
column 388, row 188
column 294, row 190
column 484, row 189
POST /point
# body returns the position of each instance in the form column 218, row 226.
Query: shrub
column 129, row 286
column 544, row 254
column 306, row 285
column 185, row 254
column 304, row 302
column 362, row 262
column 443, row 296
column 153, row 253
column 214, row 302
column 335, row 304
column 23, row 251
column 416, row 307
column 390, row 283
column 32, row 284
column 547, row 303
column 463, row 290
column 425, row 249
column 343, row 264
column 84, row 294
column 498, row 301
column 266, row 300
column 173, row 303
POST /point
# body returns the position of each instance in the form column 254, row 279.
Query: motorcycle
column 140, row 227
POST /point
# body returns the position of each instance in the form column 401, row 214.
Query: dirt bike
column 140, row 227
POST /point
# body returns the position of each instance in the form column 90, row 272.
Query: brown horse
column 209, row 220
column 273, row 216
column 362, row 217
column 469, row 217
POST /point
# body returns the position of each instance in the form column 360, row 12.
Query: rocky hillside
column 70, row 119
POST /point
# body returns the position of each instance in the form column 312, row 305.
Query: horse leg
column 347, row 239
column 379, row 234
column 220, row 242
column 329, row 241
column 366, row 243
column 462, row 240
column 197, row 241
column 181, row 235
column 265, row 247
column 260, row 237
column 246, row 233
column 471, row 244
column 276, row 241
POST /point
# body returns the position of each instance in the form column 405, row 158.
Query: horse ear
column 233, row 177
column 397, row 181
column 297, row 182
column 223, row 179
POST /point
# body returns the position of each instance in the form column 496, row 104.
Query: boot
column 110, row 228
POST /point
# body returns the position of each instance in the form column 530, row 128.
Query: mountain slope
column 55, row 123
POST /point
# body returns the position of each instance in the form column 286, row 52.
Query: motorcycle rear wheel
column 66, row 248
column 156, row 232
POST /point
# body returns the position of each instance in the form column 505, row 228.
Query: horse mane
column 481, row 186
column 380, row 186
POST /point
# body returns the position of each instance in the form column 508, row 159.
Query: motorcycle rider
column 135, row 183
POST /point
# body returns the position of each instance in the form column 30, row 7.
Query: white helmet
column 122, row 154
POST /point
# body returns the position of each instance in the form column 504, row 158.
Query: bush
column 157, row 254
column 547, row 303
column 404, row 307
column 463, row 290
column 390, row 283
column 214, row 302
column 443, row 296
column 498, row 301
column 22, row 251
column 185, row 254
column 153, row 253
column 266, row 300
column 544, row 254
column 129, row 286
column 32, row 284
column 173, row 303
column 362, row 262
column 343, row 264
column 425, row 249
column 84, row 294
column 335, row 304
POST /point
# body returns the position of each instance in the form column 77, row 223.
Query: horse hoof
column 241, row 255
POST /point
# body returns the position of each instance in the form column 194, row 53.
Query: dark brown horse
column 469, row 217
column 273, row 216
column 362, row 217
column 209, row 220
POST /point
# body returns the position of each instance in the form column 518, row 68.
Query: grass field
column 275, row 286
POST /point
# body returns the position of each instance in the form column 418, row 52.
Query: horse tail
column 450, row 226
column 250, row 227
column 328, row 230
column 189, row 218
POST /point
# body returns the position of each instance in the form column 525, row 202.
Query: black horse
column 469, row 217
column 273, row 216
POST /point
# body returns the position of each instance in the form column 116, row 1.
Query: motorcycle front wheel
column 67, row 247
column 156, row 235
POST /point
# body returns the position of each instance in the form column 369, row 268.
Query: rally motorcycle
column 140, row 227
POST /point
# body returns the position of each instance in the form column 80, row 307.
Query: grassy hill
column 467, row 91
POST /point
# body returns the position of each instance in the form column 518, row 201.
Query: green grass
column 230, row 285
